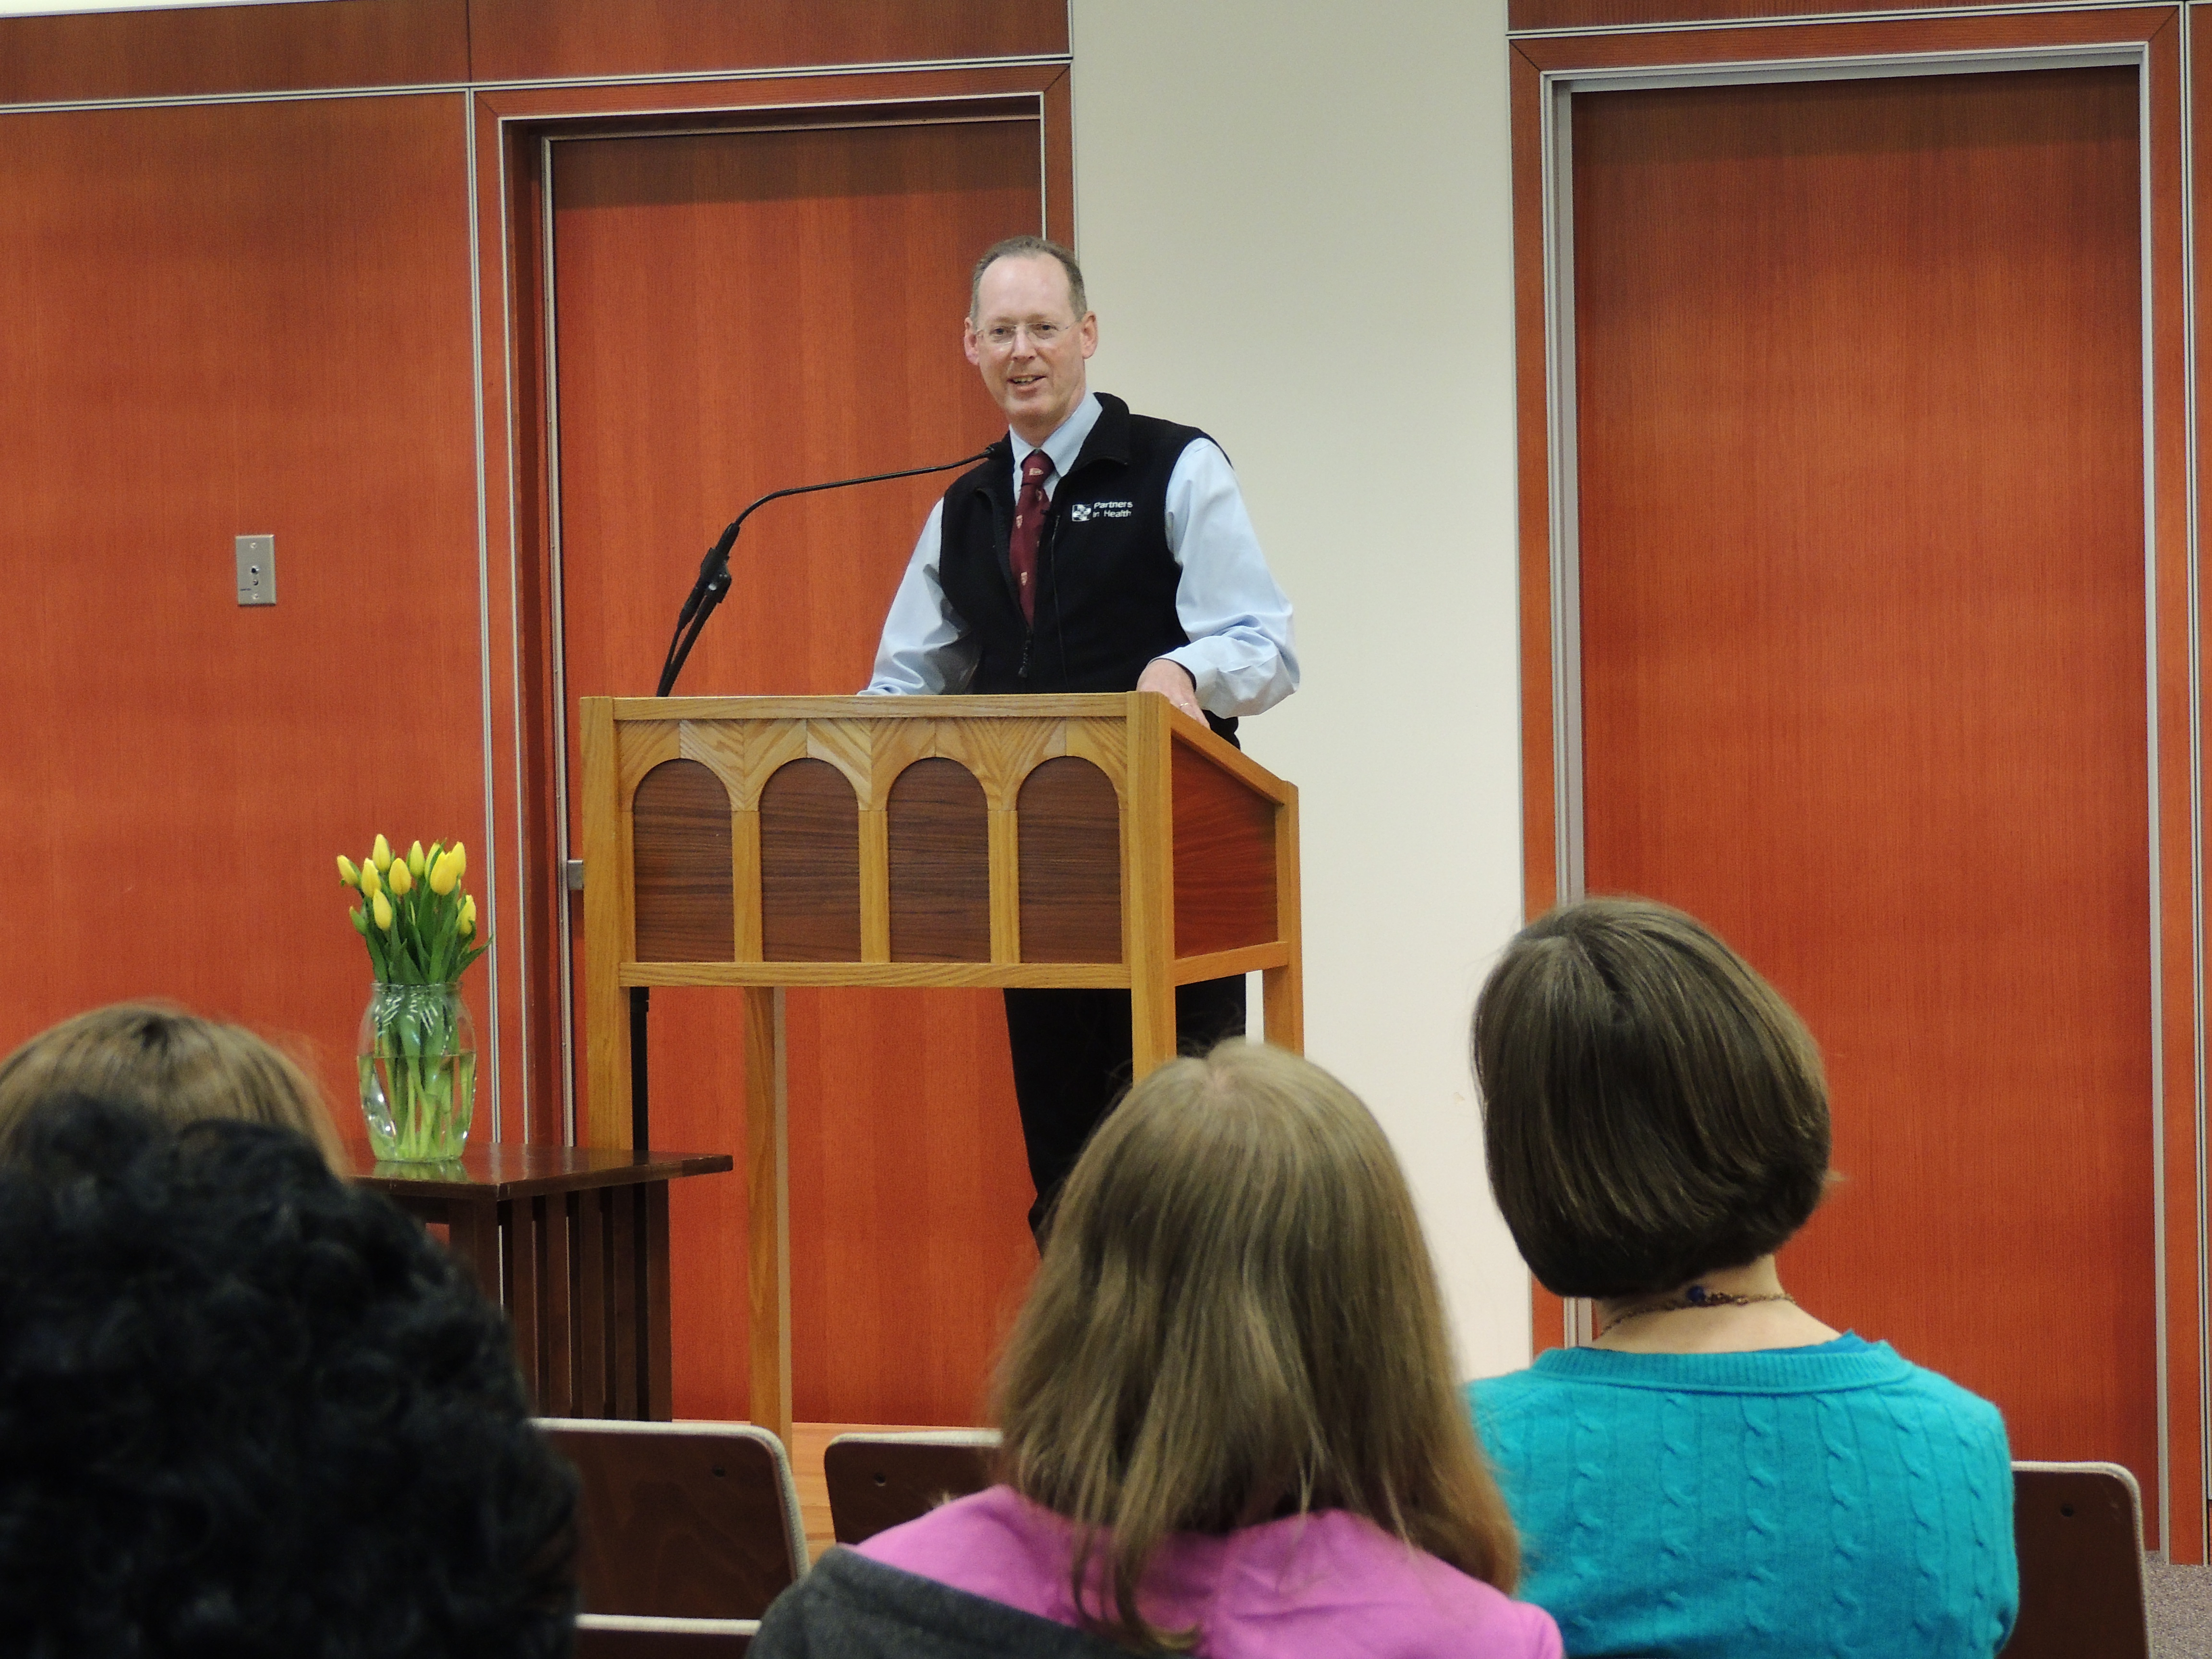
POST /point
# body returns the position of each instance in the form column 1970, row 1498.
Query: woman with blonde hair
column 1229, row 1417
column 174, row 1065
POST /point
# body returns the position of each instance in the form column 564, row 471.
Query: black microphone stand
column 713, row 583
column 709, row 590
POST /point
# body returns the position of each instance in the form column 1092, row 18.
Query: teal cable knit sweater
column 1832, row 1500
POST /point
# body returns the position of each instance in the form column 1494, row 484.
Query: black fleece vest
column 1106, row 580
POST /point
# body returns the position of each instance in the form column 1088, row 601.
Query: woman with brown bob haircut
column 1229, row 1414
column 1719, row 1472
column 174, row 1065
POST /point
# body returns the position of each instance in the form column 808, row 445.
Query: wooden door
column 1861, row 558
column 736, row 312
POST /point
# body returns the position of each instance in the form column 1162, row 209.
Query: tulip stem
column 417, row 1079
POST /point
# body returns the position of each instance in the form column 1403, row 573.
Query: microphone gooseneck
column 713, row 583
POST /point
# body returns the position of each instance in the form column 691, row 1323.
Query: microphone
column 713, row 583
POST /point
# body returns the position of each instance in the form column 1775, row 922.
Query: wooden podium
column 761, row 842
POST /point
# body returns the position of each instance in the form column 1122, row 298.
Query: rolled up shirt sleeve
column 925, row 649
column 1243, row 655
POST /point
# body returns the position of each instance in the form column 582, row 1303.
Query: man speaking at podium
column 1092, row 550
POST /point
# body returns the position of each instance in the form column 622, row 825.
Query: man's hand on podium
column 1172, row 681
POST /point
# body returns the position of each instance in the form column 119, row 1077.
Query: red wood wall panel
column 1860, row 412
column 518, row 40
column 208, row 50
column 240, row 319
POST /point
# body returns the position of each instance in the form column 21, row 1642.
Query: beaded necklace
column 1698, row 1296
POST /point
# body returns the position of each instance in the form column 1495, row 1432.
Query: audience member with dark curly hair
column 246, row 1410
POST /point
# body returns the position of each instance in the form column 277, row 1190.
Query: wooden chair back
column 603, row 1635
column 681, row 1520
column 2078, row 1528
column 877, row 1481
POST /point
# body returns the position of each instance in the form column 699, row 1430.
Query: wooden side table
column 573, row 1242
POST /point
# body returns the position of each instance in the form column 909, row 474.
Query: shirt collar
column 1066, row 441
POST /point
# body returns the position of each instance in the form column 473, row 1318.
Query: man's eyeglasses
column 1041, row 335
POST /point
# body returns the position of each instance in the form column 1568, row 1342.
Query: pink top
column 1326, row 1583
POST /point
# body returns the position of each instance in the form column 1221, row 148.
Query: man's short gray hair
column 1028, row 247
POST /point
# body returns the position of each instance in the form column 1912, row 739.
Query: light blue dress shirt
column 1241, row 657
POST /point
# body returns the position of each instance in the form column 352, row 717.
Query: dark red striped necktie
column 1028, row 521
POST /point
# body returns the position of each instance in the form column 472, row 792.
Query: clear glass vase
column 418, row 1055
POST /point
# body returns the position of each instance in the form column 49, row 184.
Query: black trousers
column 1072, row 1064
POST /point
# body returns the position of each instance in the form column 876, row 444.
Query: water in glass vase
column 417, row 1060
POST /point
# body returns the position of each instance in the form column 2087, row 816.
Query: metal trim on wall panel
column 513, row 595
column 727, row 117
column 720, row 128
column 796, row 72
column 670, row 77
column 1556, row 91
column 1872, row 67
column 1819, row 19
column 2196, row 939
column 195, row 99
column 556, row 651
column 490, row 843
column 2152, row 778
column 1565, row 481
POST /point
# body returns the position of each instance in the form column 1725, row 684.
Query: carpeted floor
column 2180, row 1612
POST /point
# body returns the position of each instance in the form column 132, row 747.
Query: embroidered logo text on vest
column 1080, row 511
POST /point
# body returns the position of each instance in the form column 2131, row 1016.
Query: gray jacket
column 851, row 1607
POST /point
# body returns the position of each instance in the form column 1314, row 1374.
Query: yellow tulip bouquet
column 417, row 1051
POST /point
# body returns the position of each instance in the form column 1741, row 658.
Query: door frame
column 1548, row 69
column 945, row 110
column 511, row 130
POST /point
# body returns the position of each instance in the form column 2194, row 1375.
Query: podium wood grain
column 938, row 863
column 1225, row 858
column 1069, row 852
column 684, row 912
column 810, row 865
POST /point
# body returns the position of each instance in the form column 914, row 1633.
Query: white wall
column 1294, row 218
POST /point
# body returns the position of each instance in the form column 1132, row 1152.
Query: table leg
column 659, row 1379
column 767, row 1203
column 590, row 1305
column 519, row 1229
column 472, row 1235
column 622, row 1301
column 555, row 1309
